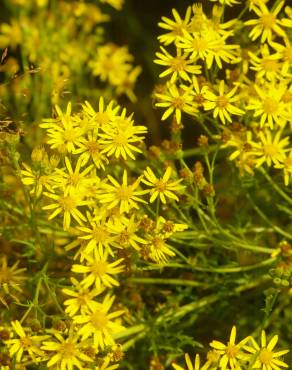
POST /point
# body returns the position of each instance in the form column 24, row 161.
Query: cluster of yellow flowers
column 235, row 77
column 104, row 217
column 246, row 354
column 49, row 38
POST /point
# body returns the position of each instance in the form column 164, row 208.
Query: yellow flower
column 267, row 23
column 89, row 148
column 126, row 230
column 126, row 196
column 25, row 344
column 68, row 205
column 221, row 104
column 99, row 236
column 104, row 114
column 267, row 66
column 270, row 149
column 63, row 131
column 177, row 100
column 106, row 365
column 159, row 250
column 175, row 27
column 98, row 270
column 120, row 137
column 100, row 324
column 286, row 165
column 190, row 365
column 66, row 353
column 266, row 358
column 200, row 45
column 10, row 278
column 161, row 187
column 82, row 300
column 39, row 181
column 269, row 105
column 227, row 2
column 231, row 353
column 72, row 181
column 178, row 66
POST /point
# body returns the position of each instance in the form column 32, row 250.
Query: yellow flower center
column 270, row 150
column 99, row 268
column 92, row 147
column 73, row 179
column 178, row 103
column 124, row 192
column 67, row 203
column 222, row 102
column 121, row 139
column 124, row 237
column 200, row 45
column 161, row 186
column 67, row 350
column 157, row 242
column 26, row 342
column 99, row 234
column 101, row 118
column 266, row 357
column 70, row 134
column 83, row 297
column 99, row 320
column 270, row 106
column 231, row 350
column 270, row 65
column 268, row 20
column 178, row 64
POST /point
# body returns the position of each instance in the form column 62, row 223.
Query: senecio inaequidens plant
column 115, row 254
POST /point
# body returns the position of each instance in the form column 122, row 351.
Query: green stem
column 167, row 282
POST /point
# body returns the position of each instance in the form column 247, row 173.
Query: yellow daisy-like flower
column 68, row 205
column 125, row 231
column 82, row 300
column 100, row 324
column 178, row 66
column 267, row 66
column 90, row 148
column 269, row 105
column 161, row 187
column 125, row 196
column 267, row 23
column 72, row 181
column 25, row 344
column 106, row 365
column 231, row 353
column 121, row 136
column 190, row 365
column 222, row 104
column 159, row 250
column 104, row 114
column 63, row 132
column 286, row 165
column 270, row 149
column 66, row 353
column 98, row 235
column 10, row 276
column 39, row 182
column 174, row 27
column 98, row 270
column 177, row 100
column 266, row 358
